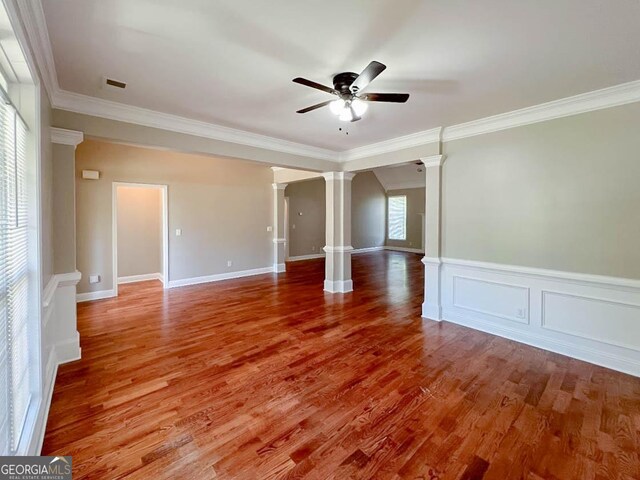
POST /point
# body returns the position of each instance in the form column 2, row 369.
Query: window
column 15, row 364
column 397, row 217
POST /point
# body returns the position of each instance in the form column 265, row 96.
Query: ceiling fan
column 347, row 86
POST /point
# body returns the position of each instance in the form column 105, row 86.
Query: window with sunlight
column 397, row 217
column 15, row 365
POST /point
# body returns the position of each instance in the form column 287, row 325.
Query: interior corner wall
column 139, row 231
column 562, row 195
column 415, row 211
column 307, row 214
column 368, row 211
column 307, row 224
column 222, row 207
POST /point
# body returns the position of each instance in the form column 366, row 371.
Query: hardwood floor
column 268, row 377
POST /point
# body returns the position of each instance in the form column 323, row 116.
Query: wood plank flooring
column 269, row 377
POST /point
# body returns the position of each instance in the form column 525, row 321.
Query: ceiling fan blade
column 309, row 83
column 354, row 117
column 386, row 97
column 368, row 74
column 313, row 107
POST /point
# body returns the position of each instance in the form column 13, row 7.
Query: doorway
column 140, row 233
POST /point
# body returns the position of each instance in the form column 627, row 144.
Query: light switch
column 178, row 232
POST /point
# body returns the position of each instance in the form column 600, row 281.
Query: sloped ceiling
column 401, row 176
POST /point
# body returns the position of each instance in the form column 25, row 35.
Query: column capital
column 63, row 136
column 346, row 176
column 279, row 186
column 433, row 161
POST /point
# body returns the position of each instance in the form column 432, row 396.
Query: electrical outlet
column 313, row 248
column 94, row 278
column 269, row 228
column 178, row 232
column 521, row 313
column 229, row 263
column 293, row 226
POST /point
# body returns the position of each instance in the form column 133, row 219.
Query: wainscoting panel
column 593, row 318
column 589, row 317
column 500, row 300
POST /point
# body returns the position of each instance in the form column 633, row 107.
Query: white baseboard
column 279, row 267
column 338, row 286
column 403, row 249
column 589, row 317
column 218, row 277
column 367, row 250
column 99, row 295
column 139, row 278
column 68, row 350
column 305, row 257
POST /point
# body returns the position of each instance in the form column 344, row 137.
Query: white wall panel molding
column 61, row 343
column 589, row 317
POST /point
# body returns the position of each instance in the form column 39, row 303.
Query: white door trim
column 165, row 229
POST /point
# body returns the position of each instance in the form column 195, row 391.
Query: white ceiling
column 231, row 62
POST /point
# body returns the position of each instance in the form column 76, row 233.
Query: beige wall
column 415, row 211
column 368, row 214
column 562, row 195
column 368, row 211
column 222, row 206
column 63, row 203
column 139, row 231
column 306, row 217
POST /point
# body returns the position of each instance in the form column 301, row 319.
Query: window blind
column 397, row 213
column 15, row 381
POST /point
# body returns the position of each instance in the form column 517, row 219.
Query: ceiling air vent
column 110, row 83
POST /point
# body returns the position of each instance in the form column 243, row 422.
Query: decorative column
column 60, row 329
column 338, row 232
column 431, row 308
column 279, row 238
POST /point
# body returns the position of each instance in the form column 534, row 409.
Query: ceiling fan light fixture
column 337, row 106
column 359, row 106
column 345, row 115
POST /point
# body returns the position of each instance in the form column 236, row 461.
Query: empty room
column 301, row 240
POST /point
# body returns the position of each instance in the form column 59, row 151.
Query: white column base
column 279, row 267
column 432, row 307
column 432, row 312
column 338, row 286
column 69, row 350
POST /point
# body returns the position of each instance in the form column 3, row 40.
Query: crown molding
column 332, row 176
column 35, row 25
column 433, row 161
column 406, row 141
column 66, row 137
column 586, row 102
column 33, row 18
column 84, row 104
